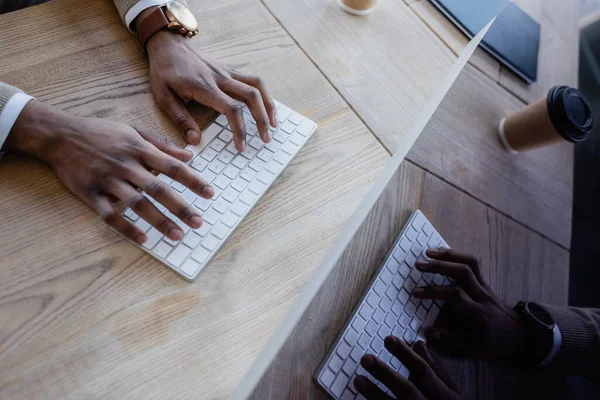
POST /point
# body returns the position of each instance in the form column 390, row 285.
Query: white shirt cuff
column 10, row 113
column 138, row 8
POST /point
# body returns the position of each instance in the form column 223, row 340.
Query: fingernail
column 359, row 382
column 196, row 221
column 208, row 191
column 421, row 265
column 175, row 234
column 367, row 361
column 418, row 291
column 141, row 238
column 192, row 136
column 432, row 252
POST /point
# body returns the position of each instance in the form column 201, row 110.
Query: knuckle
column 265, row 121
column 136, row 202
column 252, row 94
column 256, row 80
column 173, row 168
column 156, row 189
column 235, row 108
column 185, row 213
column 465, row 272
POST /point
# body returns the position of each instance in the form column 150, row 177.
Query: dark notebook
column 514, row 38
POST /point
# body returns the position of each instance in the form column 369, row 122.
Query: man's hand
column 428, row 380
column 179, row 74
column 474, row 322
column 102, row 161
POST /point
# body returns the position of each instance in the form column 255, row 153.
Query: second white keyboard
column 387, row 308
column 239, row 181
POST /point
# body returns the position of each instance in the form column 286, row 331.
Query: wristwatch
column 174, row 15
column 543, row 335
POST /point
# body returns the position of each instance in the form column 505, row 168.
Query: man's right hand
column 102, row 161
column 474, row 322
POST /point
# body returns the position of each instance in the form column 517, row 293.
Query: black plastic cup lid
column 570, row 113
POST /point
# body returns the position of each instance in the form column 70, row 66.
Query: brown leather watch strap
column 152, row 23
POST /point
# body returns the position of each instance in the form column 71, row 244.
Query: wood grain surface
column 517, row 263
column 461, row 145
column 90, row 316
column 387, row 65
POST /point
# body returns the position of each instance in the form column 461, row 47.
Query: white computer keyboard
column 239, row 181
column 387, row 308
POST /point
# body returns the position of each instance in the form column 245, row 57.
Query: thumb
column 172, row 105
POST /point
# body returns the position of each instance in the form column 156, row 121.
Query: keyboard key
column 256, row 187
column 404, row 320
column 273, row 146
column 209, row 154
column 379, row 287
column 409, row 284
column 201, row 255
column 398, row 331
column 220, row 231
column 212, row 216
column 390, row 319
column 265, row 155
column 256, row 164
column 421, row 312
column 230, row 194
column 385, row 356
column 392, row 292
column 221, row 205
column 397, row 307
column 422, row 239
column 218, row 145
column 415, row 323
column 240, row 162
column 178, row 255
column 295, row 118
column 273, row 167
column 153, row 237
column 343, row 349
column 403, row 296
column 265, row 177
column 410, row 308
column 373, row 299
column 239, row 208
column 357, row 353
column 335, row 363
column 306, row 128
column 281, row 158
column 431, row 316
column 404, row 372
column 364, row 341
column 378, row 315
column 189, row 196
column 225, row 157
column 405, row 244
column 203, row 230
column 178, row 186
column 190, row 267
column 411, row 233
column 297, row 139
column 231, row 148
column 248, row 198
column 199, row 164
column 162, row 249
column 226, row 135
column 395, row 363
column 404, row 270
column 280, row 136
column 409, row 336
column 399, row 254
column 415, row 274
column 327, row 378
column 349, row 366
column 165, row 178
column 398, row 281
column 202, row 204
column 248, row 174
column 256, row 142
column 377, row 344
column 207, row 175
column 351, row 337
column 210, row 242
column 192, row 239
column 229, row 219
column 222, row 120
column 288, row 127
column 283, row 113
column 438, row 279
column 249, row 152
column 366, row 311
column 386, row 276
column 371, row 328
column 339, row 384
column 217, row 167
column 384, row 331
column 289, row 148
column 385, row 303
column 143, row 225
column 359, row 323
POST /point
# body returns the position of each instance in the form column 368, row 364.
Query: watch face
column 183, row 15
column 540, row 314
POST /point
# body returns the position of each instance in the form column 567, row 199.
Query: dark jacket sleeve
column 579, row 353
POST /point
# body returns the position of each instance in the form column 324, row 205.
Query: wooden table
column 90, row 316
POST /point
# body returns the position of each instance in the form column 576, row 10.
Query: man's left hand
column 179, row 73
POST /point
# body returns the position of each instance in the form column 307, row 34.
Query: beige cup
column 564, row 115
column 357, row 7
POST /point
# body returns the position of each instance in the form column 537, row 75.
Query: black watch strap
column 540, row 331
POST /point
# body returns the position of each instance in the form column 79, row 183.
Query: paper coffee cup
column 563, row 115
column 357, row 7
